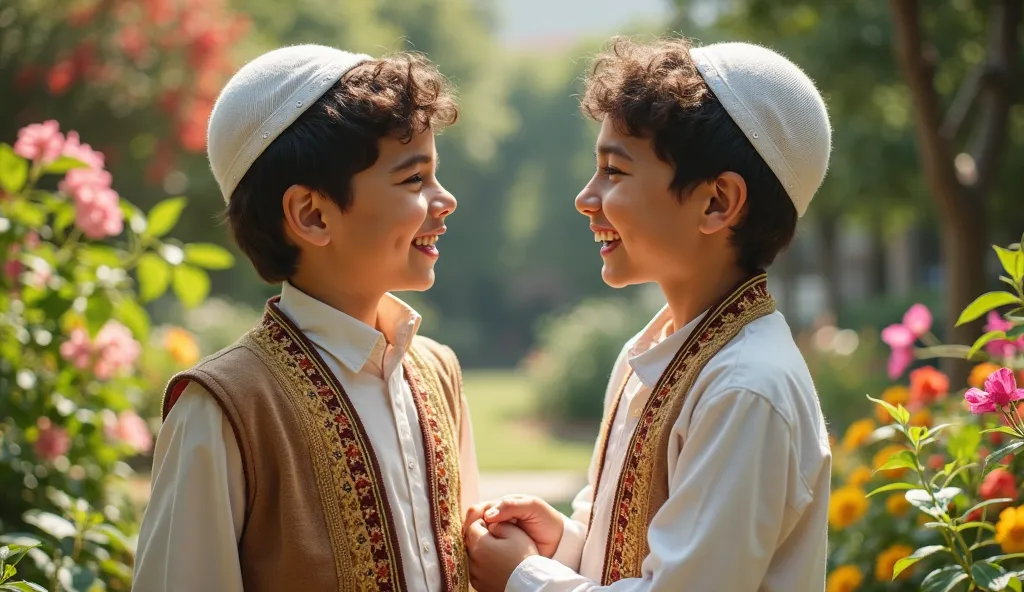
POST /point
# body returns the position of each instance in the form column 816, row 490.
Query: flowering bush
column 927, row 489
column 77, row 262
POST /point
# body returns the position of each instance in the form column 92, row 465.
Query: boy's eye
column 610, row 171
column 417, row 178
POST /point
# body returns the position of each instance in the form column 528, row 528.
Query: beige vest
column 317, row 515
column 642, row 486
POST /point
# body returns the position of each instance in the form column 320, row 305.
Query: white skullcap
column 262, row 99
column 778, row 108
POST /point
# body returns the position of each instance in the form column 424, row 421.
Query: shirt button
column 426, row 545
column 411, row 464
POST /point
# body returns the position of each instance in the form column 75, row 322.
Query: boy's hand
column 533, row 515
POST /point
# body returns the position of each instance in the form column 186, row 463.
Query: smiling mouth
column 426, row 244
column 607, row 237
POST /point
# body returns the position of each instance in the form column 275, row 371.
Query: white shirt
column 197, row 471
column 749, row 468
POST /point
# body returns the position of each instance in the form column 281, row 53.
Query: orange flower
column 845, row 578
column 980, row 373
column 927, row 385
column 859, row 477
column 887, row 561
column 922, row 418
column 897, row 504
column 894, row 395
column 857, row 434
column 182, row 346
column 1010, row 530
column 846, row 506
column 883, row 456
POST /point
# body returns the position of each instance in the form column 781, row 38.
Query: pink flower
column 77, row 349
column 998, row 483
column 53, row 440
column 1001, row 348
column 40, row 142
column 85, row 184
column 32, row 240
column 918, row 320
column 73, row 148
column 101, row 217
column 116, row 350
column 899, row 360
column 131, row 429
column 900, row 339
column 1000, row 390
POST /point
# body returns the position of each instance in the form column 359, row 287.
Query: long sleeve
column 731, row 495
column 190, row 532
column 469, row 471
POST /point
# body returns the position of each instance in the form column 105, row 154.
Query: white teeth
column 606, row 237
column 425, row 241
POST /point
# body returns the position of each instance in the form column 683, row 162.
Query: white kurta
column 749, row 467
column 190, row 533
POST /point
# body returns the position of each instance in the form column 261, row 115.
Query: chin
column 420, row 281
column 617, row 279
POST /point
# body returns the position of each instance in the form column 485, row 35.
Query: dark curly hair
column 332, row 141
column 654, row 90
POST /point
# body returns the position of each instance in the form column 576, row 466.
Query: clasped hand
column 501, row 534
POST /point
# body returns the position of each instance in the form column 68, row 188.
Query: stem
column 935, row 502
column 930, row 339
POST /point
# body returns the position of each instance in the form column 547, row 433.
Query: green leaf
column 892, row 487
column 914, row 557
column 13, row 170
column 894, row 413
column 984, row 303
column 21, row 586
column 133, row 316
column 62, row 165
column 65, row 217
column 9, row 572
column 901, row 460
column 154, row 275
column 96, row 255
column 989, row 576
column 980, row 525
column 98, row 310
column 984, row 339
column 943, row 580
column 208, row 256
column 985, row 503
column 1002, row 429
column 964, row 444
column 164, row 216
column 1013, row 262
column 939, row 428
column 922, row 500
column 11, row 554
column 1000, row 558
column 56, row 526
column 999, row 454
column 1015, row 583
column 1015, row 332
column 191, row 285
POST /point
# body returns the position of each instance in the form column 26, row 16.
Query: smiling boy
column 712, row 469
column 330, row 447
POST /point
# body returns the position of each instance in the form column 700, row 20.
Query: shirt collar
column 654, row 349
column 348, row 339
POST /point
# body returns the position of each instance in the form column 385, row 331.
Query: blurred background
column 927, row 131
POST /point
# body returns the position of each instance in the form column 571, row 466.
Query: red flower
column 998, row 483
column 60, row 77
column 927, row 385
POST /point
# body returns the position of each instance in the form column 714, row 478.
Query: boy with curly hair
column 329, row 448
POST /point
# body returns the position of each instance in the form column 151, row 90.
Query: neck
column 689, row 298
column 360, row 306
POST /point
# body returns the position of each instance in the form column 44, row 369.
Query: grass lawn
column 501, row 404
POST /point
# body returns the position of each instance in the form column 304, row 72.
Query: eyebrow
column 610, row 149
column 413, row 160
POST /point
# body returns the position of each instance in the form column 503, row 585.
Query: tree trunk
column 961, row 195
column 828, row 266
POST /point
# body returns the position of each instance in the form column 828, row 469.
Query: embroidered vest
column 317, row 515
column 642, row 486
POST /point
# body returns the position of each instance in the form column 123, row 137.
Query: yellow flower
column 883, row 456
column 1010, row 530
column 857, row 434
column 894, row 395
column 897, row 504
column 845, row 578
column 182, row 346
column 922, row 418
column 887, row 559
column 980, row 373
column 846, row 506
column 860, row 476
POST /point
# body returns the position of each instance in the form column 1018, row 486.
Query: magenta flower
column 1000, row 390
column 918, row 319
column 1001, row 348
column 74, row 148
column 40, row 142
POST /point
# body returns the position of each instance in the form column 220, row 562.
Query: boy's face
column 655, row 235
column 385, row 241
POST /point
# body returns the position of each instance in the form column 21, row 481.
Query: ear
column 728, row 197
column 304, row 215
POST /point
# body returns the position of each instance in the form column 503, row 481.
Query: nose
column 442, row 203
column 588, row 202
